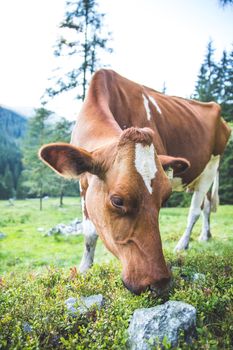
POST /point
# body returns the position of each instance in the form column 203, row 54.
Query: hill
column 12, row 129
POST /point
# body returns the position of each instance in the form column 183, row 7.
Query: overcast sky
column 154, row 41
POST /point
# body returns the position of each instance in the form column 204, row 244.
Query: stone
column 71, row 229
column 198, row 277
column 2, row 235
column 190, row 277
column 27, row 328
column 84, row 304
column 148, row 327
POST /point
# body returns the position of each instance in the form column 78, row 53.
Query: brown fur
column 112, row 121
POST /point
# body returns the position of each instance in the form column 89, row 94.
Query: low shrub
column 34, row 315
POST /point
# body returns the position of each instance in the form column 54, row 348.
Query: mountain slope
column 12, row 129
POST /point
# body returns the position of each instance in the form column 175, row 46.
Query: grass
column 36, row 279
column 27, row 248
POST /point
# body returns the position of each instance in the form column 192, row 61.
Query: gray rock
column 2, row 235
column 190, row 277
column 84, row 304
column 198, row 277
column 27, row 328
column 73, row 228
column 148, row 327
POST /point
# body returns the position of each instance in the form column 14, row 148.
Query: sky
column 154, row 41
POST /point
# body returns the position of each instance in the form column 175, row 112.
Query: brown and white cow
column 130, row 147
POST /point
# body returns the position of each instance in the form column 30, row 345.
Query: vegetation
column 12, row 129
column 36, row 280
column 26, row 246
column 36, row 179
column 83, row 40
column 225, row 2
column 214, row 82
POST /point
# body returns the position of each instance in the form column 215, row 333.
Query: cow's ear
column 67, row 160
column 178, row 165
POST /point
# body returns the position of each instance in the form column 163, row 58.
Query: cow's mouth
column 160, row 288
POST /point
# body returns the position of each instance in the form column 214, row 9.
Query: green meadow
column 37, row 274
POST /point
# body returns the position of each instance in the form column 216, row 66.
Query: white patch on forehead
column 152, row 100
column 145, row 163
column 146, row 105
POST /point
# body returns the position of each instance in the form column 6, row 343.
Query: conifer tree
column 82, row 41
column 207, row 86
column 9, row 183
column 227, row 94
column 225, row 2
column 36, row 176
column 61, row 133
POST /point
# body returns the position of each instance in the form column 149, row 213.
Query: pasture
column 37, row 273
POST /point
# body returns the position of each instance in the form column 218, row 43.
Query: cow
column 131, row 146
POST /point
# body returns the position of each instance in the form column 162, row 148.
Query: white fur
column 145, row 163
column 91, row 236
column 201, row 186
column 152, row 100
column 214, row 193
column 205, row 233
column 147, row 108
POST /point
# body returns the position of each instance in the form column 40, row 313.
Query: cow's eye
column 117, row 201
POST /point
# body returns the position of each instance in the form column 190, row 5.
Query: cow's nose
column 133, row 288
column 162, row 286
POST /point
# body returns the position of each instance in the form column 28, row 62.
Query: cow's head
column 127, row 185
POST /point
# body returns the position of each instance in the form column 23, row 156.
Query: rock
column 73, row 228
column 84, row 304
column 148, row 327
column 27, row 328
column 70, row 304
column 190, row 277
column 2, row 235
column 198, row 277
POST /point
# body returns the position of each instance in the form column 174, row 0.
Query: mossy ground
column 36, row 279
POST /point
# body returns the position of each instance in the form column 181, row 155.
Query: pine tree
column 207, row 86
column 82, row 39
column 61, row 133
column 9, row 183
column 36, row 176
column 225, row 2
column 227, row 94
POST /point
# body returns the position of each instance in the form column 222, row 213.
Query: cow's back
column 183, row 128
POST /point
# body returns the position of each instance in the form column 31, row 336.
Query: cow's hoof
column 204, row 237
column 83, row 268
column 182, row 245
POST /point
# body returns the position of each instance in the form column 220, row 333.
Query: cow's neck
column 96, row 127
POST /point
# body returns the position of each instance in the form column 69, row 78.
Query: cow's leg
column 90, row 239
column 205, row 233
column 202, row 186
column 194, row 213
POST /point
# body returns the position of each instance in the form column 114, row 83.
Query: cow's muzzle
column 160, row 287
